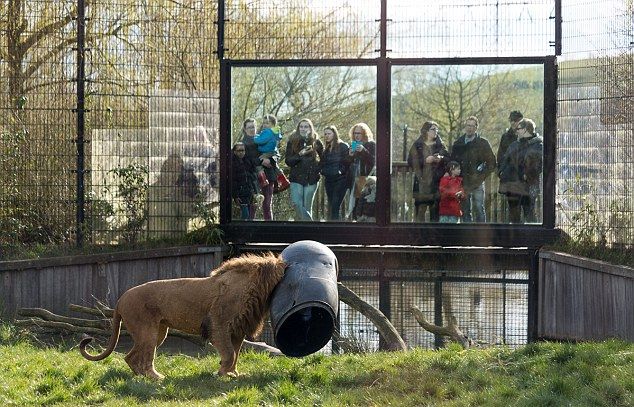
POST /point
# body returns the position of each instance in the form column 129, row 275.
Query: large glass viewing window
column 450, row 110
column 435, row 151
column 467, row 143
column 317, row 112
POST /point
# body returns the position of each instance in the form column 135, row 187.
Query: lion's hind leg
column 162, row 334
column 141, row 356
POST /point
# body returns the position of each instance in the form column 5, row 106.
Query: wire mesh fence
column 490, row 307
column 151, row 97
column 37, row 124
column 596, row 122
column 471, row 29
column 153, row 100
column 295, row 29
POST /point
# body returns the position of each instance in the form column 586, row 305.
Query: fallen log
column 382, row 323
column 347, row 296
column 49, row 316
column 451, row 330
column 102, row 311
column 61, row 326
column 45, row 318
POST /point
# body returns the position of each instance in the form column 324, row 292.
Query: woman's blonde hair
column 295, row 138
column 367, row 133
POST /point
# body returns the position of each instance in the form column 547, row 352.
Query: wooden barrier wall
column 56, row 282
column 583, row 299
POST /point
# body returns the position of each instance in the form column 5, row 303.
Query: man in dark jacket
column 508, row 138
column 477, row 161
column 520, row 170
column 510, row 135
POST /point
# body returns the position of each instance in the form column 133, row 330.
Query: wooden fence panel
column 112, row 280
column 55, row 283
column 583, row 299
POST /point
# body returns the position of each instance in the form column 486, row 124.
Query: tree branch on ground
column 43, row 318
column 385, row 327
column 451, row 330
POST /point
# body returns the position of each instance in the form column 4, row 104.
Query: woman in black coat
column 428, row 157
column 302, row 157
column 363, row 155
column 335, row 163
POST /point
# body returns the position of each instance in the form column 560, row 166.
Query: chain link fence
column 146, row 101
column 595, row 168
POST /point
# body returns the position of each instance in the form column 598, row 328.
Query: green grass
column 542, row 374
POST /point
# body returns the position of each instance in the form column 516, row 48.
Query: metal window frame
column 384, row 232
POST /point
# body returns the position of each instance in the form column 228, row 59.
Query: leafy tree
column 450, row 94
column 340, row 96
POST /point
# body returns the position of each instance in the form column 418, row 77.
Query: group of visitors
column 345, row 168
column 450, row 185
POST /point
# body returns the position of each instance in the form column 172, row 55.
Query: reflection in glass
column 306, row 101
column 335, row 167
column 466, row 116
column 303, row 153
column 520, row 172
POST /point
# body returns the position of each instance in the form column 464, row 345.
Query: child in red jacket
column 451, row 194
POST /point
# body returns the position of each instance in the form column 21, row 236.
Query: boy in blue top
column 267, row 142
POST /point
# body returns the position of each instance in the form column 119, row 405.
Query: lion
column 225, row 307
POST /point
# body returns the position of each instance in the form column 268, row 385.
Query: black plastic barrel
column 304, row 304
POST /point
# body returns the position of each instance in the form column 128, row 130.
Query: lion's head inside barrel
column 304, row 304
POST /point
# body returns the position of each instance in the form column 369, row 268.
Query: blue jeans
column 475, row 202
column 302, row 198
column 449, row 219
column 245, row 211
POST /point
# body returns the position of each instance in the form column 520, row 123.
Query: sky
column 446, row 28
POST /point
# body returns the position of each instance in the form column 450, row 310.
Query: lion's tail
column 112, row 343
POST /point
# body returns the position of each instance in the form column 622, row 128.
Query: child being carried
column 267, row 142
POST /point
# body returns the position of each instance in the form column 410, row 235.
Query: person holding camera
column 363, row 154
column 477, row 161
column 427, row 157
column 302, row 157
